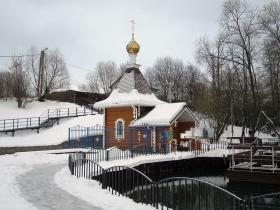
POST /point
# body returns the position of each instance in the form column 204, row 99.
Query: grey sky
column 88, row 31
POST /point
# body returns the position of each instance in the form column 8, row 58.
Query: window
column 119, row 129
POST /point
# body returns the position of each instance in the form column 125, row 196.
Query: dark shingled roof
column 131, row 79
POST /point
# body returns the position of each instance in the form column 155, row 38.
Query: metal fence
column 172, row 193
column 265, row 202
column 85, row 137
column 11, row 125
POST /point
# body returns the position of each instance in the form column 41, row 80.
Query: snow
column 132, row 162
column 71, row 88
column 221, row 152
column 237, row 131
column 133, row 98
column 162, row 114
column 49, row 136
column 91, row 192
column 12, row 166
column 9, row 110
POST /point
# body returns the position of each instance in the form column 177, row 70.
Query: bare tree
column 32, row 68
column 239, row 29
column 5, row 85
column 103, row 77
column 269, row 19
column 211, row 55
column 56, row 73
column 92, row 82
column 167, row 75
column 20, row 84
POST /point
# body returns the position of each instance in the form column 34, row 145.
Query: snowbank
column 49, row 136
column 91, row 192
column 9, row 110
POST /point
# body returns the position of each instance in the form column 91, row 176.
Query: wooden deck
column 258, row 163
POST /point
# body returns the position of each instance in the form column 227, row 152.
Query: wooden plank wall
column 126, row 113
column 111, row 115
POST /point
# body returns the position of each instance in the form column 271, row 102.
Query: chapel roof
column 131, row 79
column 165, row 114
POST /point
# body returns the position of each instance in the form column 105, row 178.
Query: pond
column 189, row 194
column 243, row 189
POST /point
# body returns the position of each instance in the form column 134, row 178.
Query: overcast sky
column 88, row 31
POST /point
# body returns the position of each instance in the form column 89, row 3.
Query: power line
column 78, row 67
column 18, row 56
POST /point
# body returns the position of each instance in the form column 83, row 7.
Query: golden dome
column 133, row 46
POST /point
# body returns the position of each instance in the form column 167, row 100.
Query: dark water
column 242, row 190
column 186, row 194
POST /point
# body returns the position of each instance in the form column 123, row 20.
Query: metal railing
column 115, row 153
column 265, row 202
column 11, row 125
column 172, row 193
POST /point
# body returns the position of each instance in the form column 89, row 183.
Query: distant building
column 133, row 115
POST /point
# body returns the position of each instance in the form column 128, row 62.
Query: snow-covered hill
column 47, row 136
column 9, row 110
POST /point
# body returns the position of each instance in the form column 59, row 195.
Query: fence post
column 69, row 143
column 88, row 139
column 104, row 179
column 107, row 155
column 130, row 142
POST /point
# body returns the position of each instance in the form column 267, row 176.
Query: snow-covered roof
column 132, row 98
column 165, row 114
column 71, row 87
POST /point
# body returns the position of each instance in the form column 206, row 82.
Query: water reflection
column 243, row 190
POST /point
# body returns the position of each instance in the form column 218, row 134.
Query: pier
column 257, row 161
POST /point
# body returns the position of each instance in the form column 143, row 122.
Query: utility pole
column 41, row 73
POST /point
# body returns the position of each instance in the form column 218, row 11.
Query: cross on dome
column 132, row 47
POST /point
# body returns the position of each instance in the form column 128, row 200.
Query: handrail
column 264, row 195
column 91, row 161
column 111, row 182
column 127, row 167
column 13, row 124
column 201, row 181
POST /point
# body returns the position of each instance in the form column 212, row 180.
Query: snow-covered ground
column 12, row 166
column 91, row 192
column 49, row 136
column 9, row 110
column 237, row 131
